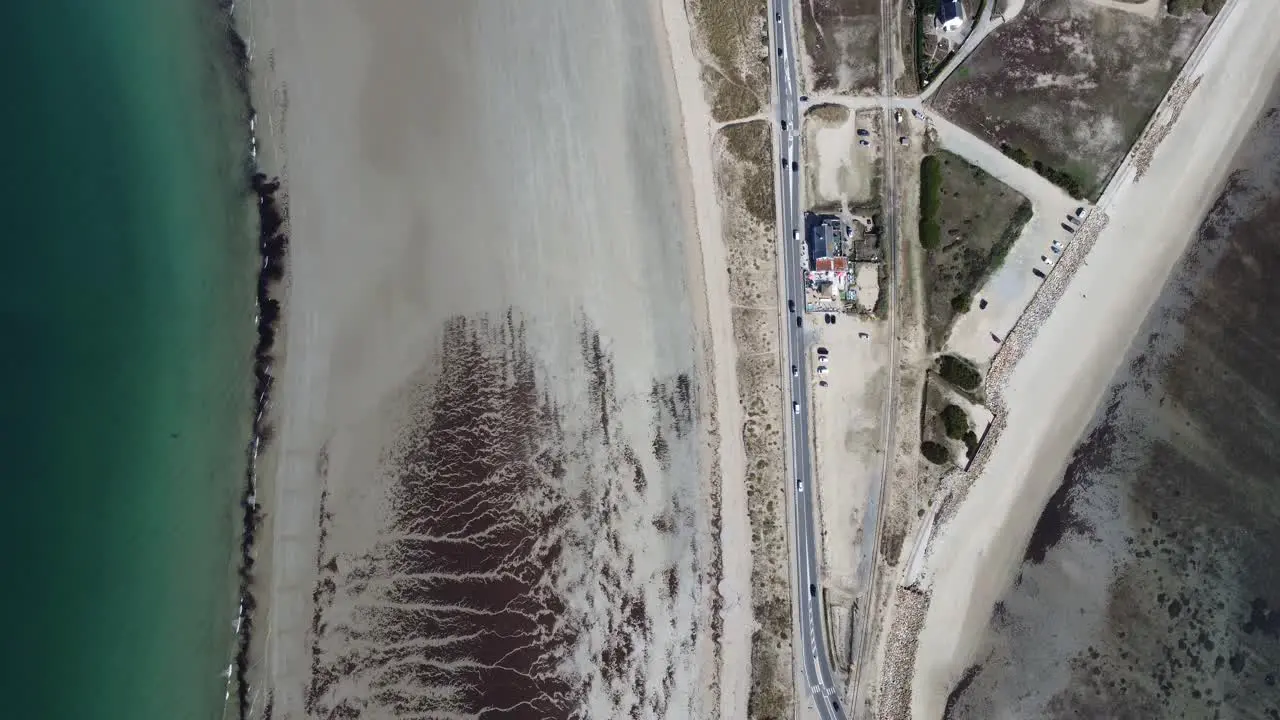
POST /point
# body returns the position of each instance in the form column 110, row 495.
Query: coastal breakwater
column 272, row 247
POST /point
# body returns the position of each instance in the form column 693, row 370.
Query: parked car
column 864, row 336
column 822, row 351
column 864, row 143
column 903, row 140
column 804, row 98
column 1038, row 273
column 897, row 116
column 1046, row 259
column 863, row 132
column 917, row 114
column 1068, row 228
column 822, row 369
column 1080, row 212
column 822, row 383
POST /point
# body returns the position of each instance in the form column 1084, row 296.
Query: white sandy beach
column 444, row 160
column 1049, row 396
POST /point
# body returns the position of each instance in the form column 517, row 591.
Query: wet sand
column 1149, row 588
column 1056, row 365
column 495, row 476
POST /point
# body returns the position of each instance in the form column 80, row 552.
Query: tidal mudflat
column 493, row 485
column 1150, row 587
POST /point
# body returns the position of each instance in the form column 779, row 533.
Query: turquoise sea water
column 126, row 293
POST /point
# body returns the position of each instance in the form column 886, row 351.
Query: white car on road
column 795, row 408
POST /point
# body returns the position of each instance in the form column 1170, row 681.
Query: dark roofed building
column 950, row 15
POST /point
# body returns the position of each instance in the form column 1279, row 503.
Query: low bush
column 959, row 372
column 1062, row 179
column 971, row 444
column 930, row 200
column 955, row 421
column 935, row 453
column 961, row 302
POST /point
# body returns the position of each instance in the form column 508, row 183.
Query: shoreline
column 693, row 115
column 272, row 248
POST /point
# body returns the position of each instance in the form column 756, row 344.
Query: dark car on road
column 795, row 166
column 813, row 590
column 798, row 322
column 791, row 305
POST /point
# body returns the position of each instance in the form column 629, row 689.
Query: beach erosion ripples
column 509, row 576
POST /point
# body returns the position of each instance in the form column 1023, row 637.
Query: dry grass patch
column 843, row 41
column 731, row 40
column 978, row 219
column 1071, row 83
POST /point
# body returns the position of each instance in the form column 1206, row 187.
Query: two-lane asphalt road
column 817, row 664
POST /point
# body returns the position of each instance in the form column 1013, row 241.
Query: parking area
column 847, row 434
column 997, row 305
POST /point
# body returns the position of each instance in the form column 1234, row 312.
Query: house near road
column 950, row 15
column 825, row 237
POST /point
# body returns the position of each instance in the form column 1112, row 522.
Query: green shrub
column 930, row 200
column 971, row 444
column 930, row 235
column 935, row 453
column 1211, row 7
column 959, row 372
column 955, row 421
column 961, row 302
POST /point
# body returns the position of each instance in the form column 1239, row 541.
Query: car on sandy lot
column 1046, row 259
column 864, row 336
column 864, row 143
column 822, row 369
column 1068, row 228
column 863, row 132
column 822, row 351
column 822, row 383
column 904, row 141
